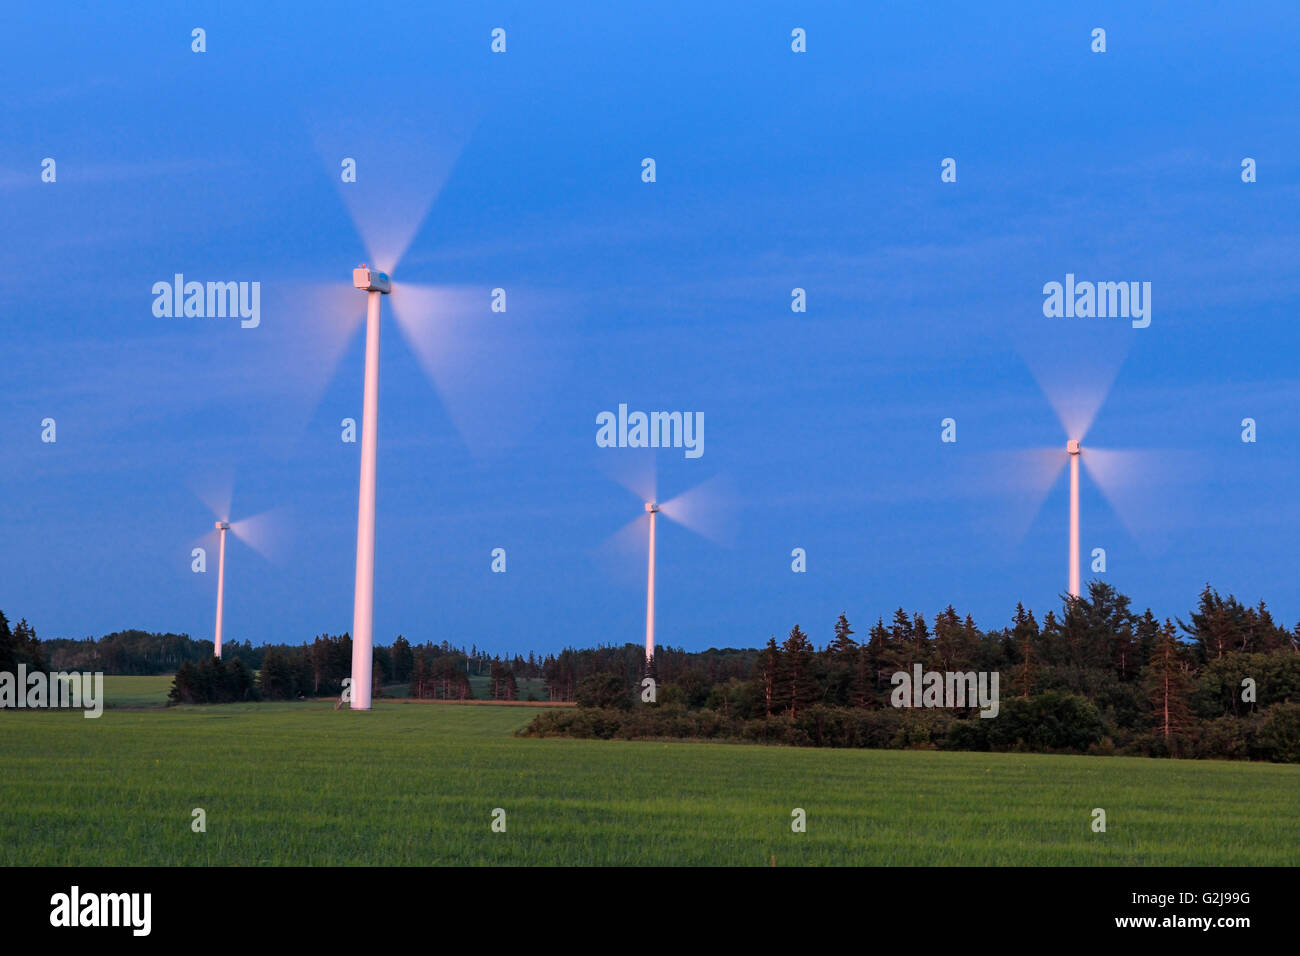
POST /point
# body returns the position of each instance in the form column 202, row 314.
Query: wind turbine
column 223, row 527
column 475, row 364
column 414, row 305
column 1113, row 471
column 1072, row 449
column 652, row 510
column 256, row 532
column 374, row 284
column 700, row 510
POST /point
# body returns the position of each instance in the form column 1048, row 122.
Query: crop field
column 416, row 783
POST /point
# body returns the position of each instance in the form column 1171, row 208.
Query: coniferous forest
column 1097, row 678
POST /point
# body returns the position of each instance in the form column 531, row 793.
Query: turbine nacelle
column 368, row 280
column 651, row 507
column 222, row 526
column 1072, row 446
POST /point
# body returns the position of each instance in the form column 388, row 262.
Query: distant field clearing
column 411, row 784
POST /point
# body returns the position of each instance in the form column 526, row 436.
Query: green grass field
column 416, row 783
column 481, row 687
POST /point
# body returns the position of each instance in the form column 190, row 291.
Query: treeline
column 283, row 672
column 1097, row 678
column 217, row 680
column 565, row 672
column 132, row 652
column 318, row 669
column 137, row 652
column 432, row 669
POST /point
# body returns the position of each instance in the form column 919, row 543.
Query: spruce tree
column 949, row 641
column 8, row 659
column 843, row 643
column 182, row 691
column 1147, row 634
column 880, row 653
column 1168, row 685
column 1024, row 640
column 402, row 660
column 797, row 686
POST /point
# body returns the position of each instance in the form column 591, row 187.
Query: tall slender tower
column 1072, row 448
column 374, row 284
column 223, row 527
column 653, row 510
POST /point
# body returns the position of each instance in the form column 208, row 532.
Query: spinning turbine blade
column 1033, row 474
column 400, row 168
column 489, row 368
column 305, row 333
column 634, row 469
column 703, row 509
column 1137, row 484
column 1075, row 406
column 1075, row 367
column 216, row 489
column 263, row 532
column 324, row 324
column 628, row 540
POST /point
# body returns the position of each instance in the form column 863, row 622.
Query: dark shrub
column 1051, row 721
column 603, row 690
column 1278, row 737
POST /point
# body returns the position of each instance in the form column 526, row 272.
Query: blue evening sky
column 522, row 171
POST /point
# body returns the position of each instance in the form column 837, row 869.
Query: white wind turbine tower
column 700, row 510
column 652, row 509
column 387, row 203
column 436, row 344
column 374, row 284
column 1115, row 472
column 1072, row 449
column 475, row 363
column 1110, row 470
column 223, row 527
column 1073, row 454
column 256, row 532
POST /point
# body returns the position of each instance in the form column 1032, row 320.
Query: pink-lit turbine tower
column 223, row 527
column 652, row 510
column 1072, row 449
column 252, row 531
column 689, row 510
column 1110, row 469
column 1121, row 475
column 374, row 284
